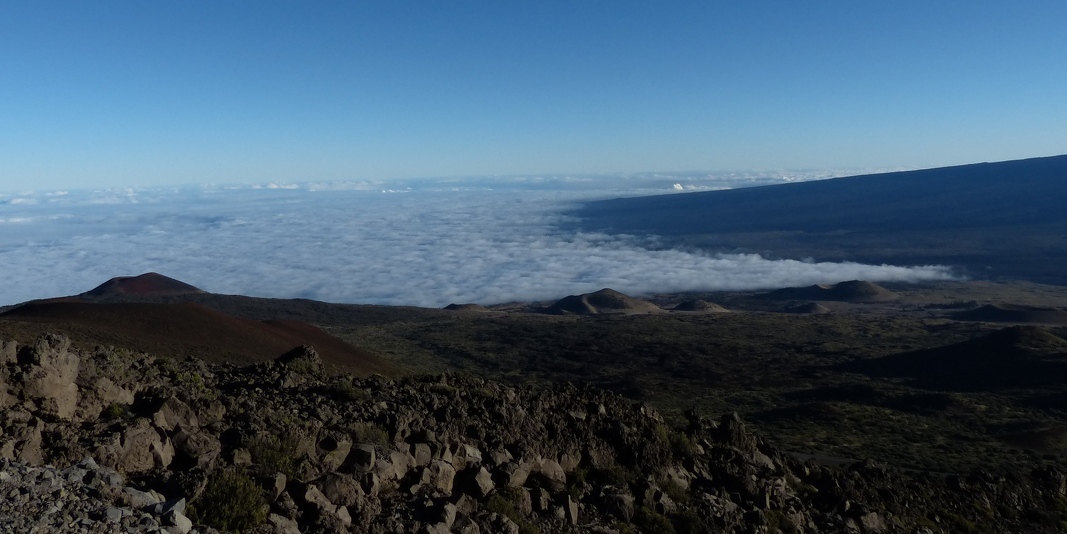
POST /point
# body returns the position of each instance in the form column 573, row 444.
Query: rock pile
column 282, row 447
column 83, row 498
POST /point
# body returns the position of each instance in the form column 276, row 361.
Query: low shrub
column 363, row 432
column 231, row 502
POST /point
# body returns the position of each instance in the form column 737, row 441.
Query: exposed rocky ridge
column 445, row 453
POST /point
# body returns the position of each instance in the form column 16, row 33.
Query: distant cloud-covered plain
column 427, row 243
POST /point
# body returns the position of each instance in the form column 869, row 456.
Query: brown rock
column 340, row 489
column 478, row 483
column 200, row 449
column 442, row 475
column 49, row 371
column 174, row 414
column 138, row 448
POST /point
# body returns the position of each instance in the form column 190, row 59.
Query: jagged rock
column 502, row 525
column 23, row 442
column 477, row 482
column 465, row 456
column 423, row 454
column 340, row 489
column 199, row 449
column 442, row 475
column 618, row 504
column 304, row 360
column 454, row 452
column 46, row 376
column 333, row 452
column 174, row 414
column 177, row 519
column 549, row 474
column 872, row 523
column 100, row 394
column 282, row 525
column 513, row 474
column 361, row 458
column 570, row 510
column 137, row 448
column 402, row 463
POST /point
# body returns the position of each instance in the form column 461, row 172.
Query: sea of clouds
column 425, row 243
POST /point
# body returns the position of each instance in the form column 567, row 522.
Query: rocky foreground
column 110, row 440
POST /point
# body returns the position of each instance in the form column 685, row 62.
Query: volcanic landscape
column 147, row 404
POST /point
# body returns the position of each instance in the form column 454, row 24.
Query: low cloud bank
column 429, row 246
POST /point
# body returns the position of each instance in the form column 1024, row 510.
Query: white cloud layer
column 431, row 245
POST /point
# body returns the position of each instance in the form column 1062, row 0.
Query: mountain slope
column 187, row 329
column 991, row 219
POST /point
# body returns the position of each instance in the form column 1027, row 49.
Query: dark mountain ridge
column 1001, row 219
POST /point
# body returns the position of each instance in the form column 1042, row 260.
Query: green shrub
column 232, row 502
column 959, row 523
column 675, row 491
column 576, row 482
column 363, row 432
column 682, row 447
column 777, row 520
column 272, row 454
column 613, row 476
column 345, row 390
column 442, row 389
column 650, row 522
column 505, row 502
column 115, row 411
column 688, row 522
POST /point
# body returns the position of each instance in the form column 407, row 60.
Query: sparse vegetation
column 681, row 446
column 273, row 454
column 363, row 432
column 232, row 502
column 343, row 389
column 505, row 502
column 778, row 521
column 115, row 411
column 650, row 522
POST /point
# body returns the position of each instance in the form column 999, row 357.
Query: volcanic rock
column 506, row 459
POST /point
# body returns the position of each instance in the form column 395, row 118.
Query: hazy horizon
column 446, row 242
column 123, row 93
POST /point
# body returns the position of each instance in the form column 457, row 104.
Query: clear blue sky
column 165, row 92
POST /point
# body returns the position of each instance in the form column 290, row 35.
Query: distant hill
column 1014, row 357
column 811, row 308
column 699, row 305
column 1001, row 219
column 145, row 284
column 1013, row 313
column 157, row 314
column 467, row 307
column 604, row 301
column 851, row 291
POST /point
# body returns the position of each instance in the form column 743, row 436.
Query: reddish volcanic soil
column 145, row 284
column 180, row 330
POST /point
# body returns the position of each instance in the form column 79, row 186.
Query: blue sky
column 100, row 94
